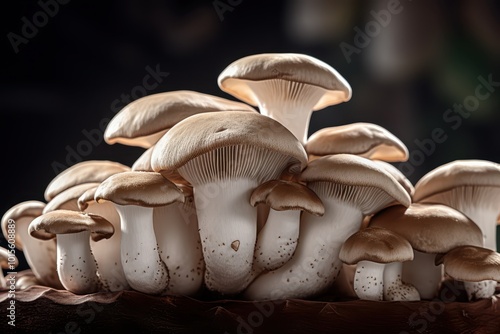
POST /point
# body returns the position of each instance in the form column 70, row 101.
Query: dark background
column 65, row 77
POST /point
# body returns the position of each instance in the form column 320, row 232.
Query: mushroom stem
column 423, row 274
column 76, row 265
column 315, row 264
column 144, row 270
column 277, row 240
column 288, row 102
column 394, row 287
column 176, row 230
column 369, row 280
column 485, row 218
column 228, row 228
column 478, row 290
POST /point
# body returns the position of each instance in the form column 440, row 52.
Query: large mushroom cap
column 82, row 172
column 365, row 139
column 430, row 228
column 375, row 244
column 284, row 66
column 28, row 209
column 145, row 120
column 257, row 135
column 457, row 173
column 68, row 198
column 62, row 221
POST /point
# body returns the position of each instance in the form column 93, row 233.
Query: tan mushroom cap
column 82, row 172
column 4, row 259
column 353, row 170
column 375, row 244
column 68, row 199
column 147, row 189
column 143, row 164
column 471, row 264
column 86, row 197
column 287, row 195
column 365, row 139
column 30, row 208
column 284, row 66
column 204, row 133
column 455, row 174
column 430, row 228
column 48, row 225
column 398, row 175
column 145, row 120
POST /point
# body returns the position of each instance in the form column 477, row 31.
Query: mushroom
column 469, row 186
column 225, row 156
column 475, row 266
column 106, row 252
column 364, row 139
column 135, row 195
column 8, row 260
column 68, row 198
column 277, row 240
column 431, row 229
column 40, row 255
column 145, row 120
column 350, row 187
column 82, row 172
column 379, row 254
column 287, row 87
column 76, row 265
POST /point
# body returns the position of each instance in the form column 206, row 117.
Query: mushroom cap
column 48, row 225
column 398, row 175
column 365, row 139
column 86, row 197
column 471, row 264
column 430, row 228
column 284, row 66
column 147, row 189
column 458, row 173
column 4, row 259
column 145, row 120
column 143, row 163
column 257, row 135
column 30, row 208
column 68, row 198
column 82, row 172
column 355, row 171
column 375, row 244
column 287, row 195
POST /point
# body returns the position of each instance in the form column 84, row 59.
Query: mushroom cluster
column 234, row 198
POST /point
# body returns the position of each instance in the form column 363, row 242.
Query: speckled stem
column 369, row 280
column 479, row 290
column 394, row 287
column 144, row 270
column 76, row 265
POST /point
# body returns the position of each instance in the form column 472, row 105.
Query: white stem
column 144, row 270
column 76, row 265
column 277, row 240
column 176, row 229
column 394, row 287
column 486, row 218
column 478, row 290
column 369, row 280
column 423, row 274
column 315, row 264
column 107, row 251
column 228, row 231
column 289, row 103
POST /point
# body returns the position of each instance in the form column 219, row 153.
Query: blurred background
column 69, row 66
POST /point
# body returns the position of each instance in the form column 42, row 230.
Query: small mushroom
column 350, row 187
column 287, row 87
column 368, row 140
column 379, row 254
column 8, row 260
column 475, row 266
column 277, row 240
column 76, row 266
column 225, row 156
column 135, row 195
column 40, row 255
column 431, row 229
